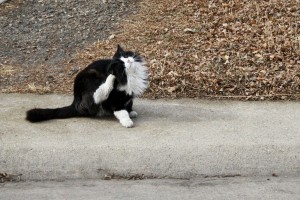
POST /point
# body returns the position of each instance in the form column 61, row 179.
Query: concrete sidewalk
column 274, row 188
column 172, row 138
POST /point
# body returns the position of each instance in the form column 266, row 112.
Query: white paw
column 133, row 114
column 128, row 123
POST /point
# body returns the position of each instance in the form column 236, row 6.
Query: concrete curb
column 172, row 138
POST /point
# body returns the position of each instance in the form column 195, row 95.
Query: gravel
column 37, row 36
column 46, row 32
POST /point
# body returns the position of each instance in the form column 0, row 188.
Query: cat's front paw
column 123, row 117
column 128, row 123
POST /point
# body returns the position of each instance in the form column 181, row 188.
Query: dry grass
column 7, row 70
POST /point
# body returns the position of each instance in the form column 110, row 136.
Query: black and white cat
column 105, row 86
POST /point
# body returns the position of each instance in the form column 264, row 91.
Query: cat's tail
column 40, row 114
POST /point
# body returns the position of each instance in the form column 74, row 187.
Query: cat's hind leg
column 102, row 93
column 123, row 117
column 132, row 113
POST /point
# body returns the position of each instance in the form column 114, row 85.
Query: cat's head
column 129, row 58
column 129, row 66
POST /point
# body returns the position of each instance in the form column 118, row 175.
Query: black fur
column 38, row 114
column 85, row 84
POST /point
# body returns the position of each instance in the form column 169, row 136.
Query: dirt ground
column 229, row 49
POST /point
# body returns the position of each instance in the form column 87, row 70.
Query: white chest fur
column 137, row 78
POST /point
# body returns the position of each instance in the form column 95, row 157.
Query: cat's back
column 91, row 77
column 98, row 67
column 95, row 70
column 103, row 63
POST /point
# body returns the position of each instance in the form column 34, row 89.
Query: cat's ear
column 118, row 53
column 119, row 49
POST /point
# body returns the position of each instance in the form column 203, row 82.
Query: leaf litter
column 232, row 49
